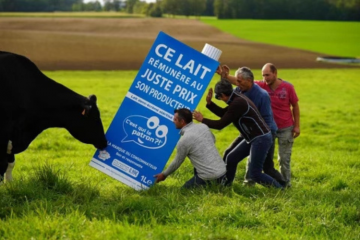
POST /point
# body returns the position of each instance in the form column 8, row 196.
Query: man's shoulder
column 287, row 84
column 193, row 133
column 240, row 100
column 198, row 126
column 260, row 90
column 289, row 88
column 194, row 128
column 260, row 83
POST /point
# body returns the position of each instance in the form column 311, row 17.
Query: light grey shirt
column 198, row 144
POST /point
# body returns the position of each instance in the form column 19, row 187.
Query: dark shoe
column 285, row 185
column 249, row 183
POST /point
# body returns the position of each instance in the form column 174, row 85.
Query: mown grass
column 328, row 37
column 56, row 195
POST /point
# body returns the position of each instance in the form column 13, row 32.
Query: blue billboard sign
column 142, row 135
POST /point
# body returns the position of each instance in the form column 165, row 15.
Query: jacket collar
column 187, row 126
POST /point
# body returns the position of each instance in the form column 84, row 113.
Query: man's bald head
column 270, row 67
column 269, row 73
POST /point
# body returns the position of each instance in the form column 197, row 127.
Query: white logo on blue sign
column 146, row 132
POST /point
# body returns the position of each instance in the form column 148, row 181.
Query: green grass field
column 332, row 38
column 56, row 195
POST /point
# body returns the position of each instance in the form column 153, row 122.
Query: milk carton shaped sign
column 142, row 135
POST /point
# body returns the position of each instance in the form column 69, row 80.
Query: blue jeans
column 258, row 150
column 268, row 166
column 196, row 181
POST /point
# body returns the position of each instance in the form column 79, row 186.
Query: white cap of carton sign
column 211, row 52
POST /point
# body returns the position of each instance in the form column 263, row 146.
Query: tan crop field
column 123, row 43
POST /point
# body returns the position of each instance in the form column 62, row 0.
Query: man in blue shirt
column 255, row 137
column 261, row 99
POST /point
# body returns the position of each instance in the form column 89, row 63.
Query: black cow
column 30, row 102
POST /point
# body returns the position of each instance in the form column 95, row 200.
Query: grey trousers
column 285, row 140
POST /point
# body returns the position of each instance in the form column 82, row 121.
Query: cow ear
column 92, row 98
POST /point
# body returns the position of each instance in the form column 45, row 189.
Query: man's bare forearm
column 296, row 114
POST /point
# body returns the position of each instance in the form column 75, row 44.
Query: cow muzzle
column 102, row 145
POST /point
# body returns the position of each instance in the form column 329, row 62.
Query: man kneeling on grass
column 198, row 144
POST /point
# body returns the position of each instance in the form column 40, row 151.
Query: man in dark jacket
column 255, row 136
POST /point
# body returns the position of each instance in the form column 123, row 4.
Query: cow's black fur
column 30, row 102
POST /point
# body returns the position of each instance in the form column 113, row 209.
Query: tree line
column 288, row 9
column 348, row 10
column 36, row 5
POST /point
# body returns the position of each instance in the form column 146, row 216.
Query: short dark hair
column 272, row 68
column 223, row 87
column 184, row 114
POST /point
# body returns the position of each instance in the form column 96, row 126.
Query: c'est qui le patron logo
column 145, row 132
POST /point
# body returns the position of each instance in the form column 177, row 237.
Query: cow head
column 88, row 127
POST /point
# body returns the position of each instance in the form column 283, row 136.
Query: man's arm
column 224, row 72
column 296, row 115
column 266, row 110
column 218, row 111
column 215, row 109
column 233, row 112
column 231, row 79
column 181, row 154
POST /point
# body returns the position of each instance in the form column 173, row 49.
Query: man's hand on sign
column 197, row 116
column 225, row 71
column 209, row 96
column 159, row 177
column 219, row 70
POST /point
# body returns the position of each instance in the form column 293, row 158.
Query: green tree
column 130, row 5
column 171, row 7
column 117, row 5
column 288, row 9
column 92, row 6
column 219, row 8
column 108, row 5
column 209, row 9
column 197, row 7
column 141, row 8
column 185, row 8
column 77, row 7
column 154, row 10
